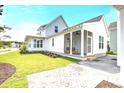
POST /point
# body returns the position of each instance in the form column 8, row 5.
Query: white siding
column 98, row 29
column 113, row 39
column 58, row 44
column 51, row 28
column 43, row 33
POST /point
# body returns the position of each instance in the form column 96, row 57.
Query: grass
column 30, row 63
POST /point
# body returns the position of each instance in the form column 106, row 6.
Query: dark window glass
column 53, row 42
column 34, row 43
column 102, row 42
column 41, row 43
column 56, row 29
column 34, row 40
column 99, row 42
column 38, row 44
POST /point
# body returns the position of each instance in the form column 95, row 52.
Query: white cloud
column 19, row 33
column 35, row 9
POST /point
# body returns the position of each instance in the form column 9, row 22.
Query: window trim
column 38, row 43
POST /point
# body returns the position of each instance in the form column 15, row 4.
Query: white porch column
column 121, row 45
column 82, row 42
column 70, row 43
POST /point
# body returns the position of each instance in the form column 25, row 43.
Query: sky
column 25, row 19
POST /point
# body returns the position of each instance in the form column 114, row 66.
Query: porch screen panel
column 89, row 45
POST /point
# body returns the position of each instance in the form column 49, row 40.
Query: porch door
column 89, row 45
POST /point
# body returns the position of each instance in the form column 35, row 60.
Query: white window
column 29, row 45
column 52, row 41
column 56, row 29
column 38, row 43
column 41, row 43
column 101, row 42
column 34, row 43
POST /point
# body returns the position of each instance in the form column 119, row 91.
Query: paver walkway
column 71, row 76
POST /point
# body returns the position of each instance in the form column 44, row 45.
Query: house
column 15, row 44
column 84, row 39
column 113, row 36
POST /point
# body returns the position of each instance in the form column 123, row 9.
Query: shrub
column 1, row 44
column 111, row 52
column 23, row 49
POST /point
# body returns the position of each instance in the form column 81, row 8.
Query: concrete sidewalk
column 11, row 50
column 107, row 64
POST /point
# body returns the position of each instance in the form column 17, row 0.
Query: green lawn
column 30, row 63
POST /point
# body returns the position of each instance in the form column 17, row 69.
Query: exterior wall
column 43, row 33
column 98, row 29
column 113, row 39
column 30, row 42
column 58, row 44
column 51, row 28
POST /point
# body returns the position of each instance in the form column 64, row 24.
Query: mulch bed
column 106, row 84
column 6, row 70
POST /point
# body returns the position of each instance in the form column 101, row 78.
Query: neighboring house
column 86, row 38
column 113, row 36
column 15, row 44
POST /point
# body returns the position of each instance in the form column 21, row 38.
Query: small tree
column 3, row 37
column 23, row 49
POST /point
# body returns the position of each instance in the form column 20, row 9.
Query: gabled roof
column 42, row 27
column 118, row 7
column 113, row 25
column 96, row 19
column 33, row 36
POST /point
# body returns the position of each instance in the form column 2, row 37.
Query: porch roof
column 36, row 36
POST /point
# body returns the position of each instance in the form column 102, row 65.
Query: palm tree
column 2, row 30
column 4, row 37
column 1, row 10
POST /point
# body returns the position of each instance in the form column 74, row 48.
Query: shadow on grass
column 71, row 59
column 67, row 58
